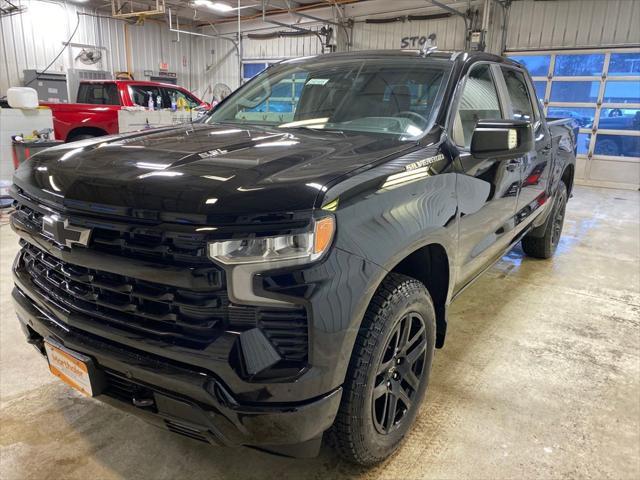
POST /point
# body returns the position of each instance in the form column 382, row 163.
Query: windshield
column 395, row 96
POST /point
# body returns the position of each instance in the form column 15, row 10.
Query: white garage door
column 601, row 90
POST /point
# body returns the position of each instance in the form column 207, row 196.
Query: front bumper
column 176, row 397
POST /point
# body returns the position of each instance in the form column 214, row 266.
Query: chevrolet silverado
column 280, row 272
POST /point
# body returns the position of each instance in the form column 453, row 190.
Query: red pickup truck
column 96, row 112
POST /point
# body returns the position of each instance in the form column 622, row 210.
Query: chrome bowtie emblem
column 61, row 232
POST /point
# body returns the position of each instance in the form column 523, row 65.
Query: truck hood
column 200, row 171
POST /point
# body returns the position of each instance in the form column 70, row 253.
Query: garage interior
column 543, row 382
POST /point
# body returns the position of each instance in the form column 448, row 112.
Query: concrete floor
column 540, row 378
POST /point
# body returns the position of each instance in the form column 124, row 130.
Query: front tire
column 545, row 245
column 388, row 372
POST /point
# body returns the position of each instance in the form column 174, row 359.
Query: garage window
column 601, row 91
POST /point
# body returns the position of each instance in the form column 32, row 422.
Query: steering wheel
column 409, row 113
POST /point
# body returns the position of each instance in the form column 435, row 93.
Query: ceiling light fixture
column 221, row 7
column 217, row 6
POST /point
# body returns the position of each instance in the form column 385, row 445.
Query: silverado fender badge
column 425, row 162
column 59, row 230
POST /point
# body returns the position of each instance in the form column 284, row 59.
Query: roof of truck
column 133, row 82
column 463, row 55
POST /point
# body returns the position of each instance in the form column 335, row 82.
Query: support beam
column 178, row 31
column 265, row 4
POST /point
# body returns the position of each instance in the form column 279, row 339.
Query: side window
column 140, row 95
column 176, row 94
column 98, row 94
column 519, row 95
column 479, row 101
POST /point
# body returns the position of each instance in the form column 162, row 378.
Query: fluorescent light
column 53, row 184
column 206, row 229
column 317, row 186
column 161, row 173
column 211, row 201
column 283, row 143
column 152, row 166
column 406, row 177
column 224, row 132
column 215, row 177
column 310, row 122
column 70, row 154
column 413, row 130
column 220, row 7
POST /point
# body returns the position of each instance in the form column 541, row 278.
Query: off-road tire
column 356, row 435
column 545, row 245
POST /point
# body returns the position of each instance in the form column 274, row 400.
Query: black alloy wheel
column 399, row 373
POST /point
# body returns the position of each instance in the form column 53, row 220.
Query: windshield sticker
column 317, row 81
column 425, row 162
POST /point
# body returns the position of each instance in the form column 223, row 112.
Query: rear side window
column 98, row 94
column 522, row 108
column 479, row 101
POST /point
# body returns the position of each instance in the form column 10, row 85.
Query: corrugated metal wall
column 573, row 24
column 285, row 47
column 449, row 32
column 33, row 38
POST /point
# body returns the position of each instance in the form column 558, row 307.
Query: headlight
column 296, row 248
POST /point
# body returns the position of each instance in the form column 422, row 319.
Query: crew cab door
column 536, row 166
column 487, row 188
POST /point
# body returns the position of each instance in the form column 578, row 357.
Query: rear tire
column 388, row 372
column 82, row 136
column 545, row 245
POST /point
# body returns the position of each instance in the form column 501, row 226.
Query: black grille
column 152, row 309
column 189, row 318
column 141, row 242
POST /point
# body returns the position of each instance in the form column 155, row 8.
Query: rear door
column 487, row 188
column 536, row 167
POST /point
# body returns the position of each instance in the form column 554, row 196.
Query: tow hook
column 143, row 402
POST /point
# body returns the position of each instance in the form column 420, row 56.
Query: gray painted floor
column 540, row 378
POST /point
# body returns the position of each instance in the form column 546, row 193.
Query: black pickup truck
column 280, row 271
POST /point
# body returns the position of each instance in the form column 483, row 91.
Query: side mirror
column 494, row 138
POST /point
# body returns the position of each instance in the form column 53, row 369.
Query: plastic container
column 22, row 97
column 5, row 198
